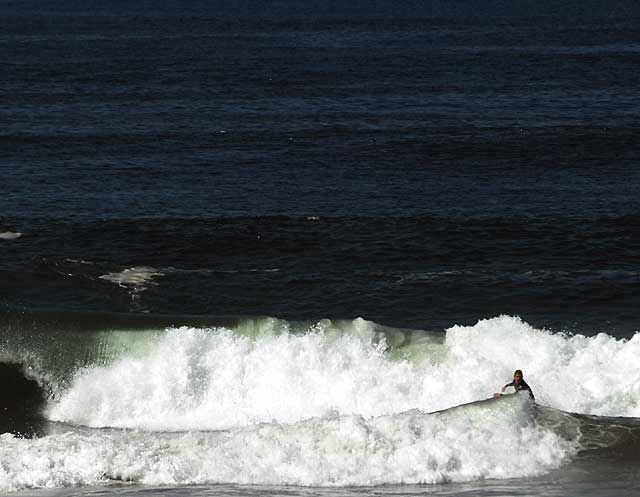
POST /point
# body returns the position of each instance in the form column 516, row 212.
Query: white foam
column 10, row 235
column 493, row 439
column 328, row 405
column 214, row 379
column 593, row 375
column 195, row 379
column 135, row 276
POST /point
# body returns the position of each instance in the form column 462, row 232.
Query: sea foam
column 496, row 438
column 332, row 404
column 210, row 379
column 133, row 277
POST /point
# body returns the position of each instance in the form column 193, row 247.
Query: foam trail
column 10, row 235
column 491, row 439
column 135, row 276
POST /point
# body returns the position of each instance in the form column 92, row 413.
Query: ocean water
column 294, row 251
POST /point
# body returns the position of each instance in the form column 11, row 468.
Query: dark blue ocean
column 288, row 249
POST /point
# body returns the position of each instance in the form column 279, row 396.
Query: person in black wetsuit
column 518, row 383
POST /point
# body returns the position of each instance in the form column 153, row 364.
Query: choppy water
column 293, row 255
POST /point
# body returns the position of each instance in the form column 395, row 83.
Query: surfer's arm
column 505, row 387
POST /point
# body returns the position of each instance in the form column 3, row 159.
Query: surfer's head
column 517, row 376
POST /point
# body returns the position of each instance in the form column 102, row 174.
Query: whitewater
column 330, row 403
column 197, row 378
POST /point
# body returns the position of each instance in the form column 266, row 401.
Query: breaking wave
column 328, row 403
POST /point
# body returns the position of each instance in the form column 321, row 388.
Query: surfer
column 518, row 383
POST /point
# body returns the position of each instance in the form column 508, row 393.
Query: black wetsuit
column 521, row 386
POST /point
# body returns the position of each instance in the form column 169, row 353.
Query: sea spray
column 591, row 375
column 213, row 379
column 205, row 379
